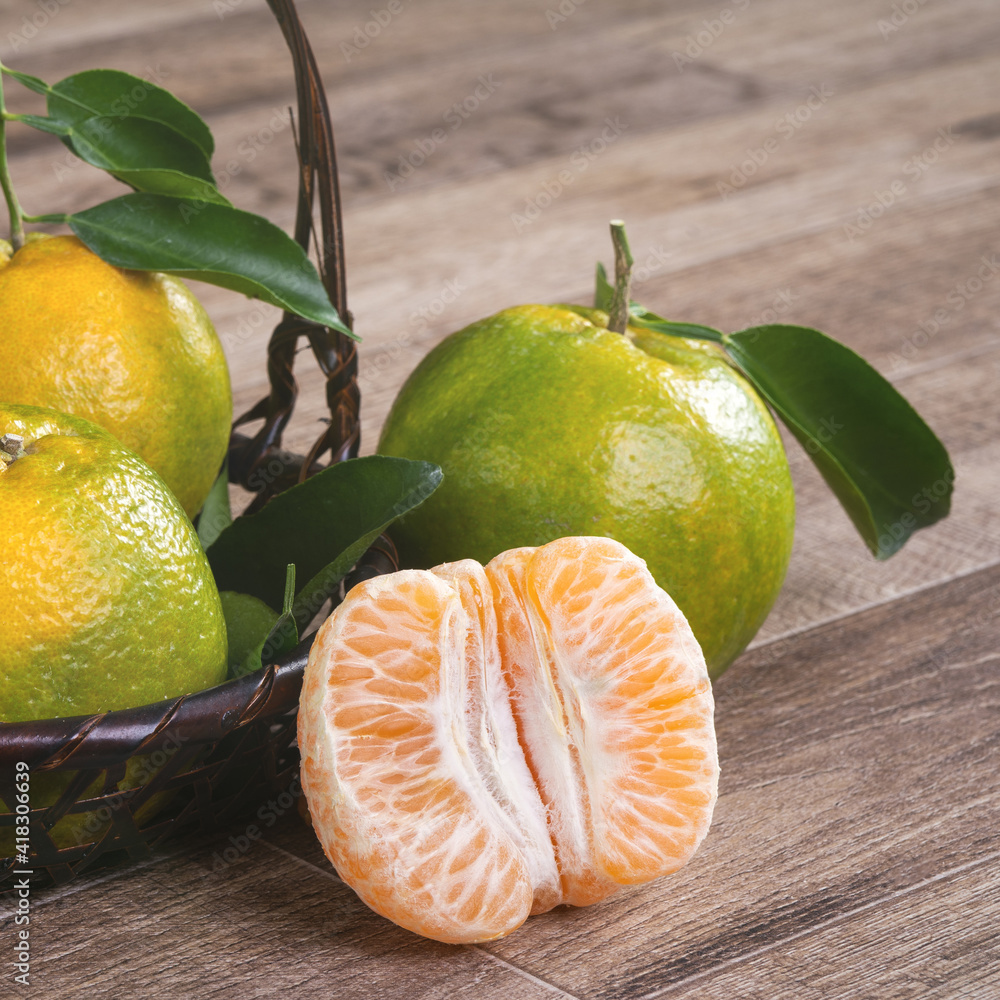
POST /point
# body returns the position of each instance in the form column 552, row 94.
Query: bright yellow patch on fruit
column 106, row 596
column 131, row 351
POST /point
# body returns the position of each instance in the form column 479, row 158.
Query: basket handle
column 335, row 353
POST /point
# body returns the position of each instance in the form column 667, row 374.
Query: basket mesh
column 108, row 789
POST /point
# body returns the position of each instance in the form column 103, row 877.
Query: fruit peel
column 547, row 424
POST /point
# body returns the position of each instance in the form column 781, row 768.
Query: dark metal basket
column 133, row 778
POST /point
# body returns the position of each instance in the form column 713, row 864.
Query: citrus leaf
column 216, row 514
column 284, row 636
column 886, row 466
column 643, row 318
column 257, row 634
column 249, row 624
column 639, row 316
column 113, row 93
column 289, row 599
column 29, row 81
column 323, row 525
column 207, row 242
column 49, row 125
column 145, row 154
column 604, row 291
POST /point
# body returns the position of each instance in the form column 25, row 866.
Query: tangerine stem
column 13, row 206
column 619, row 311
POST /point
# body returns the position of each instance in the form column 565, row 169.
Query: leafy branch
column 888, row 469
column 176, row 220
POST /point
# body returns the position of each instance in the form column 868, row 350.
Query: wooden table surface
column 831, row 164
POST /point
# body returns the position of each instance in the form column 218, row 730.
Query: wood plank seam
column 521, row 972
column 821, row 925
column 87, row 883
column 844, row 616
column 331, row 874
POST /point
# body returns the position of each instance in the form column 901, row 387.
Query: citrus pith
column 546, row 423
column 131, row 351
column 482, row 743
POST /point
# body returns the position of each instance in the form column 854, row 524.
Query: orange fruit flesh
column 479, row 744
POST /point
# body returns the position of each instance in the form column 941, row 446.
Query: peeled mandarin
column 483, row 743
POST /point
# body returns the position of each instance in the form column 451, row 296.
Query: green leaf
column 249, row 624
column 31, row 82
column 145, row 154
column 49, row 125
column 886, row 466
column 639, row 316
column 289, row 599
column 257, row 634
column 114, row 94
column 208, row 242
column 323, row 525
column 284, row 636
column 216, row 514
column 604, row 291
column 646, row 320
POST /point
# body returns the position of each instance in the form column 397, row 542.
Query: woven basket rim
column 257, row 710
column 104, row 738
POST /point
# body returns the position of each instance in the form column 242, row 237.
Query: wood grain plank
column 194, row 924
column 664, row 184
column 859, row 291
column 721, row 268
column 907, row 946
column 206, row 49
column 858, row 763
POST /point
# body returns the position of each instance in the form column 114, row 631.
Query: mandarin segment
column 491, row 737
column 554, row 725
column 651, row 747
column 391, row 789
column 481, row 743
